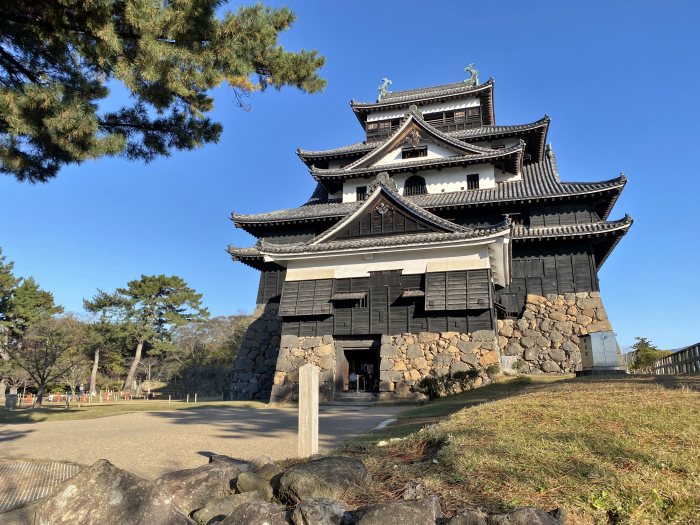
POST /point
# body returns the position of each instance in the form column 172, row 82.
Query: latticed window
column 361, row 193
column 414, row 153
column 473, row 182
column 415, row 185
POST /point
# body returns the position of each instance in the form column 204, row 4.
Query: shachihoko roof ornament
column 383, row 88
column 473, row 79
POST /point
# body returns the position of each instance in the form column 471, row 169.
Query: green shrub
column 463, row 378
column 430, row 386
column 520, row 366
column 493, row 370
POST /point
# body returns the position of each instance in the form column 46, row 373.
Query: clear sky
column 618, row 78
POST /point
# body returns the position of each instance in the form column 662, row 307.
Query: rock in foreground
column 104, row 494
column 325, row 478
column 414, row 512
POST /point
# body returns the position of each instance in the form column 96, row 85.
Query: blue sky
column 619, row 80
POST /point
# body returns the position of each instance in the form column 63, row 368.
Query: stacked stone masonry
column 545, row 339
column 404, row 360
column 254, row 366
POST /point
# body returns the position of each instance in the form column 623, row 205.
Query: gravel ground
column 150, row 444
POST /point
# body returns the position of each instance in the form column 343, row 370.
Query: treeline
column 152, row 333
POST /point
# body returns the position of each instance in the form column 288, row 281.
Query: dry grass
column 621, row 451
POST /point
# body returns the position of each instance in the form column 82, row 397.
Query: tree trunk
column 132, row 369
column 3, row 387
column 93, row 374
column 39, row 396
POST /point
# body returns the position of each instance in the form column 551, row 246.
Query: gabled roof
column 438, row 230
column 427, row 95
column 412, row 123
column 383, row 191
column 416, row 239
column 484, row 133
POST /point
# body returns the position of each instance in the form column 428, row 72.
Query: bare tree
column 48, row 350
column 17, row 377
column 149, row 366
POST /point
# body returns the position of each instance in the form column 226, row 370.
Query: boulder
column 550, row 366
column 557, row 355
column 251, row 482
column 103, row 493
column 190, row 489
column 531, row 354
column 402, row 389
column 321, row 512
column 527, row 516
column 258, row 513
column 415, row 512
column 467, row 517
column 513, row 349
column 218, row 509
column 325, row 478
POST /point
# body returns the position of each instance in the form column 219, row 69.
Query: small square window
column 361, row 193
column 473, row 182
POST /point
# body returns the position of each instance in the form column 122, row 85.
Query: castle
column 442, row 243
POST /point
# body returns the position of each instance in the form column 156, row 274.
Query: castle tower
column 442, row 243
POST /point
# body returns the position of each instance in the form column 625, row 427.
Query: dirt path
column 153, row 443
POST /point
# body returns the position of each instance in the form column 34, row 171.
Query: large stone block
column 470, row 359
column 550, row 367
column 483, row 335
column 414, row 351
column 513, row 349
column 311, row 342
column 289, row 341
column 489, row 358
column 387, row 350
column 428, row 337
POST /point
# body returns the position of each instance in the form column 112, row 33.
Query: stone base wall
column 294, row 353
column 405, row 359
column 546, row 337
column 254, row 367
column 408, row 358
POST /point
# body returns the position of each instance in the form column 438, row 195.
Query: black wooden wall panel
column 270, row 287
column 563, row 268
column 385, row 310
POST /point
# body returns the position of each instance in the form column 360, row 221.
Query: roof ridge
column 425, row 92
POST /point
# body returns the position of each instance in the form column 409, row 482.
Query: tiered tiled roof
column 540, row 181
column 483, row 133
column 401, row 99
column 610, row 233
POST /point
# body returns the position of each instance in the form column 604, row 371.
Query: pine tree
column 58, row 57
column 151, row 307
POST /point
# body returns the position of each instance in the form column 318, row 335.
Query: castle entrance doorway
column 357, row 364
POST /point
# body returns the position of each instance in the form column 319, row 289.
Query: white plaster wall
column 427, row 108
column 434, row 152
column 444, row 181
column 350, row 188
column 507, row 177
column 337, row 195
column 410, row 261
column 451, row 179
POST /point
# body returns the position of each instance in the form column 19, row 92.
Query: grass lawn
column 608, row 450
column 95, row 410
